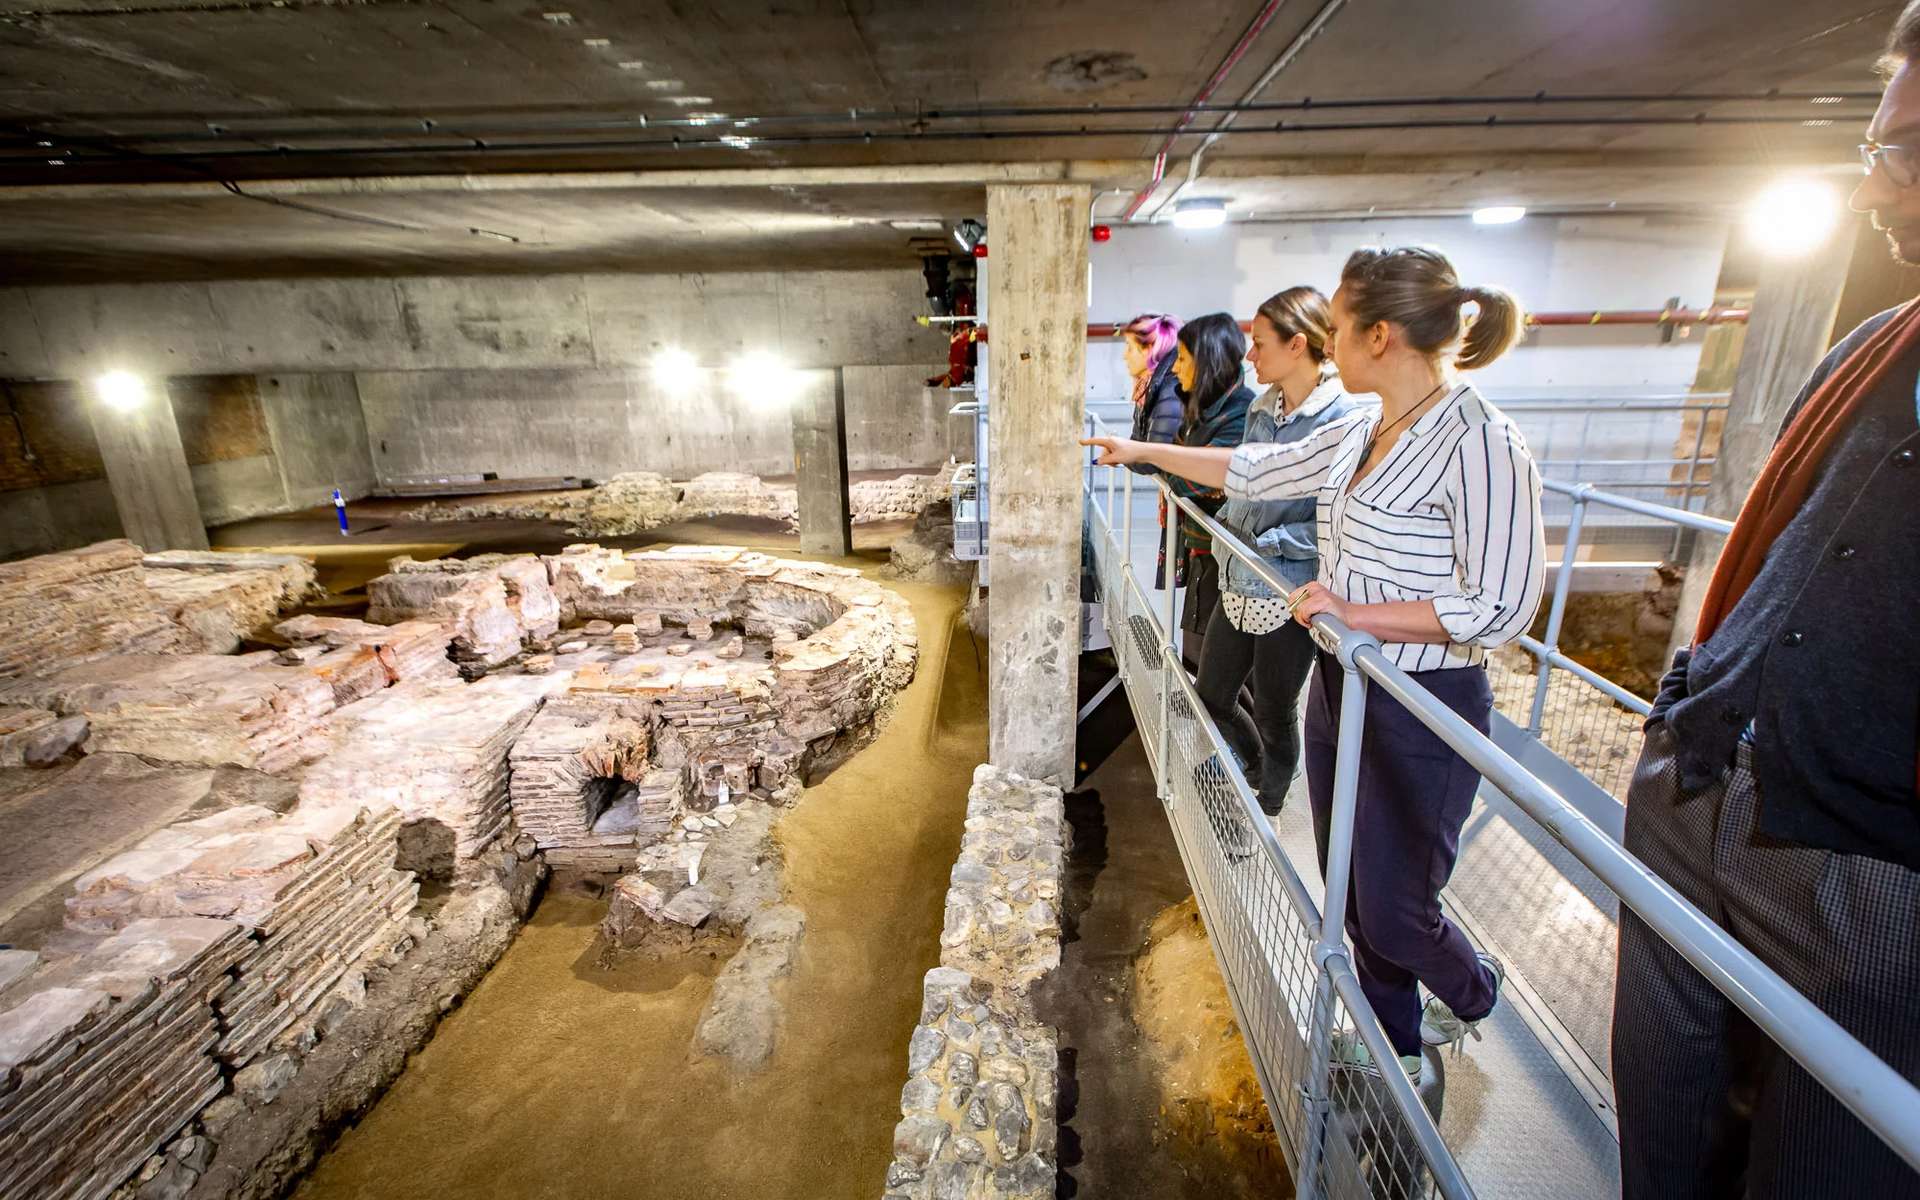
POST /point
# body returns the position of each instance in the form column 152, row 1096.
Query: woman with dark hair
column 1431, row 541
column 1251, row 634
column 1207, row 364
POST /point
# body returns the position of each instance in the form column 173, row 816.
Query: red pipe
column 1220, row 74
column 1628, row 316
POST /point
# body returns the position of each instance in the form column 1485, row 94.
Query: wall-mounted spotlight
column 967, row 234
column 122, row 391
column 763, row 380
column 1792, row 216
column 1200, row 213
column 1498, row 214
column 675, row 370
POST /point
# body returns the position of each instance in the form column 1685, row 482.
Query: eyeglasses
column 1901, row 163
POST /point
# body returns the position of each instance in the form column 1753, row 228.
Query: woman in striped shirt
column 1428, row 514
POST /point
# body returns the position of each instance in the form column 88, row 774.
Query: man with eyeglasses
column 1777, row 789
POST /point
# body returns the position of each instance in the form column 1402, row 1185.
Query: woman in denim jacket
column 1250, row 631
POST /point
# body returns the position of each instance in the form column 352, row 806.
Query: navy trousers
column 1414, row 797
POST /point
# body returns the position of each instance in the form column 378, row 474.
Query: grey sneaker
column 1222, row 809
column 1350, row 1053
column 1438, row 1025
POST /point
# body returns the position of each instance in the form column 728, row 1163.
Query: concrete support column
column 820, row 465
column 1037, row 370
column 1790, row 331
column 147, row 471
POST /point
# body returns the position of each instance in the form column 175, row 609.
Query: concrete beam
column 1105, row 171
column 148, row 473
column 1789, row 332
column 1037, row 370
column 820, row 466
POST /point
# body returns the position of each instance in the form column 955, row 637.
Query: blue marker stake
column 340, row 507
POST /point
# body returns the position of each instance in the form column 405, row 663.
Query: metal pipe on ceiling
column 1219, row 76
column 1279, row 64
column 108, row 146
column 233, row 128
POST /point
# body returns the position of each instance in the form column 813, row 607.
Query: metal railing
column 1582, row 716
column 1287, row 966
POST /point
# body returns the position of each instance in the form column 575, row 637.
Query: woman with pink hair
column 1159, row 406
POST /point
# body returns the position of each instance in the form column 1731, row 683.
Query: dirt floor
column 559, row 1078
column 1117, row 1139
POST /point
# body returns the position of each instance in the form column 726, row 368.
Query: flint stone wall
column 978, row 1112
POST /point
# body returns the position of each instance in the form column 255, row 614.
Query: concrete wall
column 599, row 423
column 520, row 376
column 316, row 440
column 809, row 318
column 1551, row 263
column 56, row 517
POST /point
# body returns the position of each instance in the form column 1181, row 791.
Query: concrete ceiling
column 152, row 108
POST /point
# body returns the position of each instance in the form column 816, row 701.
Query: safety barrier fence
column 1579, row 714
column 1286, row 962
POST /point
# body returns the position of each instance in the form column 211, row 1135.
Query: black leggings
column 1267, row 741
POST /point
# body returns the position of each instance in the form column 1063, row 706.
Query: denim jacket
column 1281, row 530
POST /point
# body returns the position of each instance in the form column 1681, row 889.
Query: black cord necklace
column 1375, row 439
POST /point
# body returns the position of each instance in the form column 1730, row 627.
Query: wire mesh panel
column 1262, row 922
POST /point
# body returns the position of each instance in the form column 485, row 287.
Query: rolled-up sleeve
column 1289, row 470
column 1499, row 541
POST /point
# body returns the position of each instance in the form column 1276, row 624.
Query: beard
column 1904, row 250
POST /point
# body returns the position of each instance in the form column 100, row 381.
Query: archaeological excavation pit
column 335, row 839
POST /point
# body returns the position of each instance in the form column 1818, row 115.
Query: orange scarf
column 1795, row 464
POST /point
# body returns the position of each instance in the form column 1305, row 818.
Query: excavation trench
column 562, row 1076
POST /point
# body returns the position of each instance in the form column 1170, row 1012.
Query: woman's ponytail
column 1493, row 330
column 1415, row 287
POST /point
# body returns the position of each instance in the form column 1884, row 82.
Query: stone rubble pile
column 221, row 598
column 637, row 501
column 357, row 658
column 733, row 493
column 106, row 1054
column 246, row 710
column 925, row 554
column 627, row 504
column 58, row 609
column 902, row 498
column 494, row 603
column 978, row 1112
column 20, row 728
column 436, row 751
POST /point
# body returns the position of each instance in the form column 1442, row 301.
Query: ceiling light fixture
column 122, row 391
column 1792, row 216
column 675, row 369
column 1200, row 213
column 1498, row 214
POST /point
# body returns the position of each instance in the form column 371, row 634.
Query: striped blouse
column 1451, row 515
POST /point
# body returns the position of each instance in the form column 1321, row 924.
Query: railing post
column 1339, row 871
column 1562, row 584
column 1171, row 651
column 1126, row 517
column 1693, row 472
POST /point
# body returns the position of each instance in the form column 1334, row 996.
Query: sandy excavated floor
column 559, row 1078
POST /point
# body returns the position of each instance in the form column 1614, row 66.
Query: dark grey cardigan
column 1822, row 653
